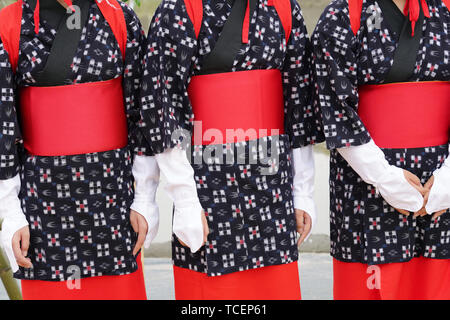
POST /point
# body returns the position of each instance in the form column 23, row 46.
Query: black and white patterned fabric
column 77, row 206
column 364, row 228
column 250, row 214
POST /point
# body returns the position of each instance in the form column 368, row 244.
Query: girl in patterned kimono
column 69, row 81
column 230, row 81
column 383, row 74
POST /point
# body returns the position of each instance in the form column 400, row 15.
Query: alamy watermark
column 236, row 146
column 374, row 280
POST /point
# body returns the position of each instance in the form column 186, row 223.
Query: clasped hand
column 424, row 191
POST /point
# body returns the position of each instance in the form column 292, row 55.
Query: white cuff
column 12, row 214
column 146, row 176
column 303, row 172
column 187, row 224
column 9, row 197
column 181, row 188
column 439, row 198
column 369, row 162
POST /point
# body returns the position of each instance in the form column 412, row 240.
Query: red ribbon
column 246, row 26
column 37, row 10
column 413, row 8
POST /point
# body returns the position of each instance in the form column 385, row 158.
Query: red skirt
column 279, row 282
column 126, row 287
column 418, row 279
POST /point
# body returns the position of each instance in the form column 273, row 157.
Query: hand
column 304, row 225
column 205, row 230
column 140, row 226
column 423, row 211
column 415, row 182
column 20, row 245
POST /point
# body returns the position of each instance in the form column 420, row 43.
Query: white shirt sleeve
column 182, row 189
column 439, row 198
column 12, row 215
column 146, row 176
column 303, row 172
column 369, row 162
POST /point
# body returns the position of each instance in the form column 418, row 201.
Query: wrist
column 150, row 211
column 368, row 161
column 439, row 197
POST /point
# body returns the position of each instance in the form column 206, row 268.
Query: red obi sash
column 237, row 106
column 406, row 115
column 73, row 119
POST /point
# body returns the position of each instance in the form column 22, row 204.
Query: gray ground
column 315, row 276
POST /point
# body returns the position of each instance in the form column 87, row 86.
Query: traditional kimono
column 213, row 66
column 68, row 112
column 383, row 82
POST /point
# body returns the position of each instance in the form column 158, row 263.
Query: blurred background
column 317, row 243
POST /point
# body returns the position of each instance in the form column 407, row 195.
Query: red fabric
column 279, row 282
column 447, row 3
column 10, row 27
column 419, row 279
column 354, row 11
column 74, row 119
column 412, row 7
column 406, row 115
column 195, row 12
column 284, row 10
column 126, row 287
column 113, row 13
column 36, row 17
column 246, row 100
column 246, row 25
column 70, row 5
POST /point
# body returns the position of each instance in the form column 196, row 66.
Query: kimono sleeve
column 166, row 112
column 10, row 136
column 335, row 50
column 136, row 41
column 302, row 120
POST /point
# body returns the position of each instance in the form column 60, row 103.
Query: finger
column 439, row 213
column 421, row 189
column 302, row 238
column 404, row 212
column 420, row 213
column 141, row 238
column 300, row 217
column 20, row 258
column 429, row 183
column 423, row 212
column 25, row 243
column 134, row 223
column 415, row 182
column 307, row 229
column 205, row 229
